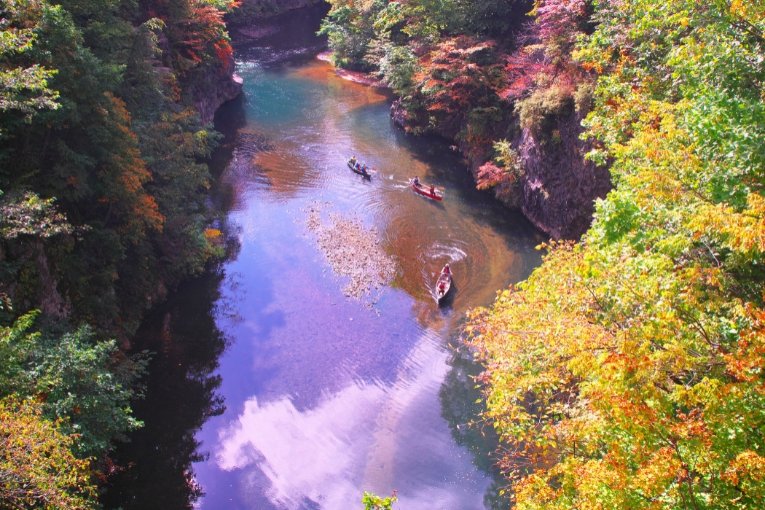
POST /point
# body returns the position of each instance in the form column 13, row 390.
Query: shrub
column 542, row 105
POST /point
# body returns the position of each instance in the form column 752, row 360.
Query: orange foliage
column 125, row 173
column 204, row 33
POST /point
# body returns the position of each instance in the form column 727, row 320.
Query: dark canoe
column 446, row 279
column 424, row 190
column 360, row 172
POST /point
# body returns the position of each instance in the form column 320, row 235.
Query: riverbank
column 473, row 85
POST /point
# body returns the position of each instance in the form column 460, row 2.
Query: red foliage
column 558, row 24
column 490, row 175
column 522, row 69
column 461, row 73
column 225, row 53
column 200, row 37
column 559, row 21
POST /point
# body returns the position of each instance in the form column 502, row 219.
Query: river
column 272, row 388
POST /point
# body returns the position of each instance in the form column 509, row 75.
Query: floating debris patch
column 352, row 251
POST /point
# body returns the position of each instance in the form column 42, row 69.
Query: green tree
column 374, row 502
column 87, row 384
column 626, row 371
column 30, row 215
column 350, row 30
column 398, row 67
column 24, row 87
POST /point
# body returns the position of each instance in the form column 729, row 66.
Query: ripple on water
column 449, row 252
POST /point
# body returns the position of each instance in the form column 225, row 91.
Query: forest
column 103, row 184
column 625, row 372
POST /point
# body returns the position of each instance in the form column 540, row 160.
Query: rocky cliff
column 279, row 6
column 211, row 90
column 252, row 11
column 558, row 187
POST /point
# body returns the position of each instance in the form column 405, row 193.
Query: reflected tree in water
column 461, row 407
column 154, row 470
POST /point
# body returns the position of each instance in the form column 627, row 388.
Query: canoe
column 360, row 172
column 443, row 284
column 424, row 190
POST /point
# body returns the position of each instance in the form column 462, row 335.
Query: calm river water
column 271, row 389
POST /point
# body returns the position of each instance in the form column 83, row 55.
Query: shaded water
column 326, row 395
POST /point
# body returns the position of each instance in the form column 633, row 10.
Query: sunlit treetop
column 627, row 371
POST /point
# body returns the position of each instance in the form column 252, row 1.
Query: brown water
column 327, row 395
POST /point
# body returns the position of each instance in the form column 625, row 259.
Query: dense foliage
column 102, row 189
column 37, row 468
column 78, row 379
column 627, row 371
column 96, row 118
column 470, row 70
column 400, row 39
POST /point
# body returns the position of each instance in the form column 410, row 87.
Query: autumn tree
column 24, row 85
column 626, row 371
column 37, row 468
column 122, row 154
column 85, row 383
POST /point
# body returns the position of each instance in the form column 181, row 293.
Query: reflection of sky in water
column 358, row 437
column 327, row 397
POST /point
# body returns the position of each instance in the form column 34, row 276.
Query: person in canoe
column 416, row 181
column 443, row 285
column 446, row 271
column 432, row 189
column 352, row 161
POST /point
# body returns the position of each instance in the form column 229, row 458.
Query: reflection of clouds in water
column 304, row 455
column 350, row 442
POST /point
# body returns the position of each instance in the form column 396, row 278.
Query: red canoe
column 424, row 190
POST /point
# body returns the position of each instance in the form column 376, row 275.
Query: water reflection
column 156, row 465
column 325, row 396
column 328, row 397
column 462, row 404
column 351, row 438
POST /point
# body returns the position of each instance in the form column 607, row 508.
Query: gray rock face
column 214, row 89
column 210, row 91
column 274, row 7
column 559, row 187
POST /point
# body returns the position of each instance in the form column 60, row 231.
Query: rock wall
column 210, row 91
column 207, row 89
column 273, row 7
column 558, row 188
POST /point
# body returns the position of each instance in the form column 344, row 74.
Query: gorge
column 202, row 306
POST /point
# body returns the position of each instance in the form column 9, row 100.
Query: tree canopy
column 102, row 210
column 37, row 468
column 626, row 372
